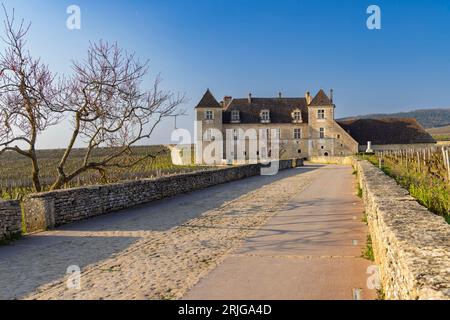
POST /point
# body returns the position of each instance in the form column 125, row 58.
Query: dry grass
column 15, row 170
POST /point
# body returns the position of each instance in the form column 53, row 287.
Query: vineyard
column 15, row 181
column 424, row 172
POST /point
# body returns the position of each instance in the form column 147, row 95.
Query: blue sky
column 238, row 46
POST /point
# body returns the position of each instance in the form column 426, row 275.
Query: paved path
column 155, row 251
column 262, row 237
column 311, row 250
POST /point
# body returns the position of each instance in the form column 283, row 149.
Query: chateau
column 306, row 127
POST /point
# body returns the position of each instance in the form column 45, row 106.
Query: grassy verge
column 368, row 250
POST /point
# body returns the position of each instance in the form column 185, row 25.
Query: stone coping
column 411, row 244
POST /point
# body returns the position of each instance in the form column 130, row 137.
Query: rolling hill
column 428, row 118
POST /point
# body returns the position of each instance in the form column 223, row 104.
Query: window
column 321, row 114
column 235, row 134
column 265, row 116
column 299, row 150
column 209, row 115
column 322, row 133
column 297, row 133
column 297, row 116
column 235, row 116
column 338, row 136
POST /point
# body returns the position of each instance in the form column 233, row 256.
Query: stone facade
column 51, row 209
column 10, row 219
column 314, row 132
column 411, row 244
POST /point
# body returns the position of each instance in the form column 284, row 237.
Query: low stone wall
column 51, row 209
column 411, row 244
column 332, row 160
column 10, row 220
column 394, row 147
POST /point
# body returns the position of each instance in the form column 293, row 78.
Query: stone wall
column 10, row 219
column 51, row 209
column 411, row 244
column 332, row 160
column 386, row 147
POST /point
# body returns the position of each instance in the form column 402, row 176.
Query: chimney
column 331, row 95
column 249, row 98
column 279, row 95
column 227, row 100
column 308, row 98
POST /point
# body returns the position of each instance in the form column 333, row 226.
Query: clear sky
column 238, row 46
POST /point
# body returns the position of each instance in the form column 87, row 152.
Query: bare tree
column 108, row 109
column 27, row 96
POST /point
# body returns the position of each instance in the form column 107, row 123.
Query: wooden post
column 446, row 157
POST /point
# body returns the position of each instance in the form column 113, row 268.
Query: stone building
column 388, row 133
column 305, row 126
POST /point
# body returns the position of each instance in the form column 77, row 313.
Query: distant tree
column 28, row 96
column 109, row 109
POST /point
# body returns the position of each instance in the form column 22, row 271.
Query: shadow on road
column 42, row 258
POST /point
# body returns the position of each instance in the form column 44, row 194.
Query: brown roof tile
column 208, row 101
column 386, row 131
column 321, row 99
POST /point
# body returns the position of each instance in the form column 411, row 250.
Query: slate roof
column 321, row 99
column 280, row 109
column 208, row 101
column 386, row 131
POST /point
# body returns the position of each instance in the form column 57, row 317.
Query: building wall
column 202, row 126
column 10, row 219
column 337, row 142
column 289, row 147
column 386, row 147
column 51, row 209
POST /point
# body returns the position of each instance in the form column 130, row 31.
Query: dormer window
column 209, row 115
column 321, row 114
column 235, row 116
column 297, row 116
column 265, row 116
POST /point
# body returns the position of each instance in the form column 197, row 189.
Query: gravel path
column 156, row 251
column 310, row 249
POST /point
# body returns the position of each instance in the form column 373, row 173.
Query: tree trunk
column 35, row 172
column 58, row 183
